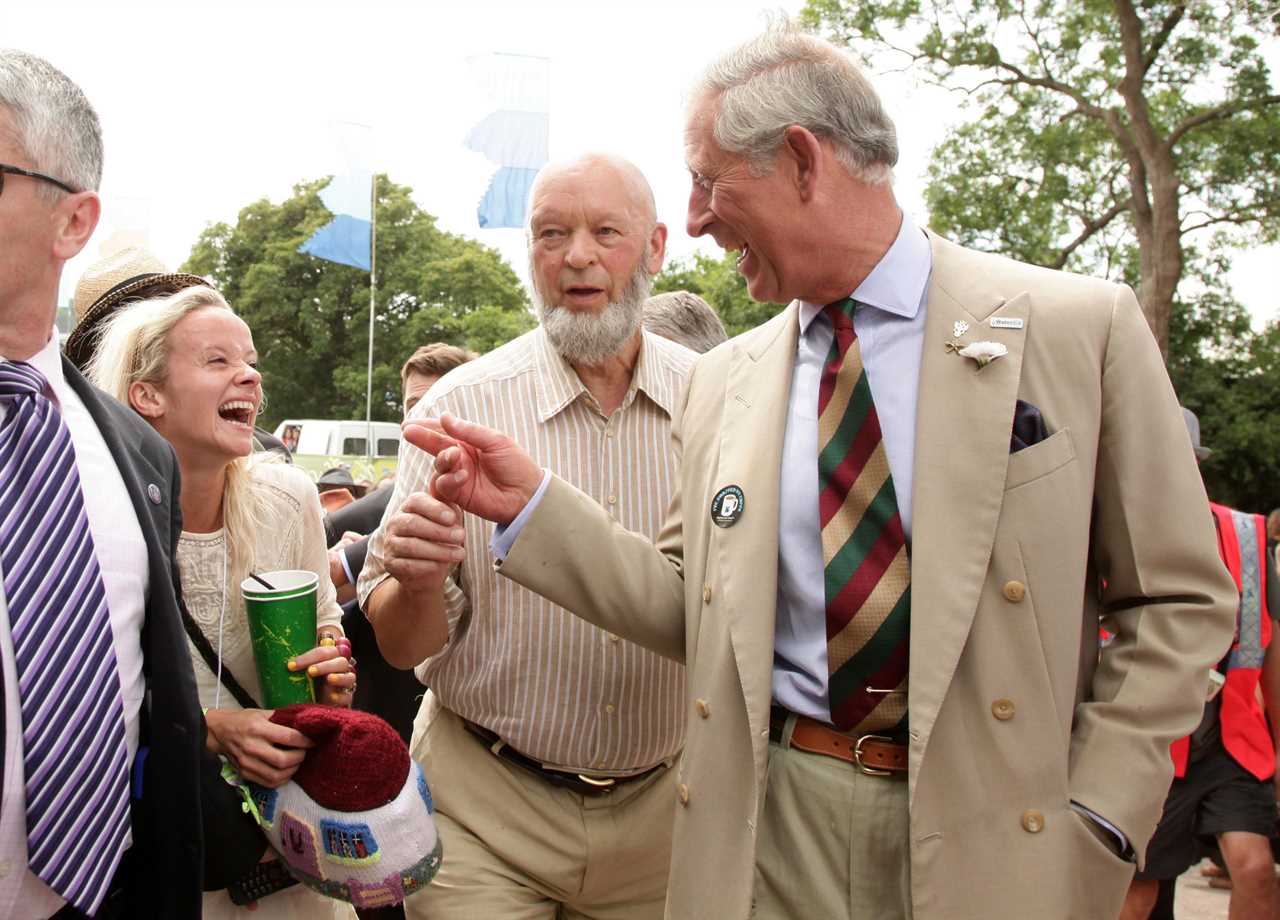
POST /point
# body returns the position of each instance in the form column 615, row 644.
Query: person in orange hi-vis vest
column 1224, row 770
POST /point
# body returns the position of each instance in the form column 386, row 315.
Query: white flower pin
column 960, row 328
column 983, row 352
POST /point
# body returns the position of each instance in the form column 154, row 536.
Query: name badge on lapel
column 728, row 506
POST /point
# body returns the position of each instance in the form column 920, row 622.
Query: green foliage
column 1230, row 377
column 719, row 283
column 310, row 317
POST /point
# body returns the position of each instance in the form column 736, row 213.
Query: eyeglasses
column 19, row 171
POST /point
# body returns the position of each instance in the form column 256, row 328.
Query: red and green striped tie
column 864, row 551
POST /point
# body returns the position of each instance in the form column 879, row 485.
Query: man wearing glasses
column 102, row 759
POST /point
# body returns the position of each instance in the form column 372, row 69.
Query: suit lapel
column 756, row 396
column 963, row 422
column 140, row 476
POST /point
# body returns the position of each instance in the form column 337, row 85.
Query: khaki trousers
column 518, row 848
column 834, row 842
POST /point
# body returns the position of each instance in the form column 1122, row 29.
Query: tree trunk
column 1161, row 254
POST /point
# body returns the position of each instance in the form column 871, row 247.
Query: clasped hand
column 477, row 469
column 269, row 754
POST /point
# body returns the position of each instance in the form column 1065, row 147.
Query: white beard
column 591, row 338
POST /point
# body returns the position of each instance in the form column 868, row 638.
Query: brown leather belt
column 581, row 783
column 874, row 755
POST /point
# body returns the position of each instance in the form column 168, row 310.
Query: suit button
column 704, row 708
column 1003, row 709
column 706, row 594
column 1032, row 821
column 1014, row 591
column 683, row 792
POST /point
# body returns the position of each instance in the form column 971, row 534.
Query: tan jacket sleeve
column 1167, row 595
column 573, row 553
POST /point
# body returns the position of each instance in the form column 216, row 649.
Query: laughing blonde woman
column 186, row 363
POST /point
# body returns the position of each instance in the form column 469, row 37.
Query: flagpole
column 373, row 286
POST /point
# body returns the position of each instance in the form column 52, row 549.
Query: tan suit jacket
column 1107, row 515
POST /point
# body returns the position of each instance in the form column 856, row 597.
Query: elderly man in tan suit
column 904, row 505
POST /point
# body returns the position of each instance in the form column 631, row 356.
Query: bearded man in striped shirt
column 547, row 740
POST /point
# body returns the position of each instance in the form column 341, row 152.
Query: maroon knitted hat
column 359, row 762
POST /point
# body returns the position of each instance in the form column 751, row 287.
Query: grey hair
column 686, row 318
column 53, row 122
column 785, row 77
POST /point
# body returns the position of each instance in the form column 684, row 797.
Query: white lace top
column 292, row 537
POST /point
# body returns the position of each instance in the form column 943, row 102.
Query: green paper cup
column 282, row 625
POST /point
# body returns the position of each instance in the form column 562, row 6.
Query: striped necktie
column 864, row 551
column 73, row 733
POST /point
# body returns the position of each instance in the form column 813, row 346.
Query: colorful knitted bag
column 355, row 821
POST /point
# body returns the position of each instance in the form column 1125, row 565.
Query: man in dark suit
column 159, row 774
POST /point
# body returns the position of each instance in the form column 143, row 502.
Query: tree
column 1108, row 132
column 719, row 283
column 310, row 317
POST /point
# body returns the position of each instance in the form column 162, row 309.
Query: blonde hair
column 134, row 347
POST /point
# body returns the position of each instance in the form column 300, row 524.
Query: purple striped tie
column 73, row 736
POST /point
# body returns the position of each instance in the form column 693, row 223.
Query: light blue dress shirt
column 890, row 328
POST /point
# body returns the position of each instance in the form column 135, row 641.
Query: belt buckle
column 603, row 783
column 857, row 756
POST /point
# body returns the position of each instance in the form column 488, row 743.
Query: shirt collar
column 896, row 284
column 559, row 384
column 48, row 361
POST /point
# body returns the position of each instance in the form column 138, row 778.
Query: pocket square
column 1028, row 427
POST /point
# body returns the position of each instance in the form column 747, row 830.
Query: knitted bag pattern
column 355, row 821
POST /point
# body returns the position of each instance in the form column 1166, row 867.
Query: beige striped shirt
column 551, row 685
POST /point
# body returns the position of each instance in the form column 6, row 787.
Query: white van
column 331, row 438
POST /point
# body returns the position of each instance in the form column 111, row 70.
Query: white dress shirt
column 890, row 329
column 122, row 556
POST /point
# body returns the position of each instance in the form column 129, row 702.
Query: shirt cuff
column 1123, row 849
column 346, row 567
column 505, row 535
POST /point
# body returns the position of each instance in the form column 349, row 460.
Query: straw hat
column 128, row 275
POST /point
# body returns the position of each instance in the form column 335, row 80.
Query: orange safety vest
column 1242, row 543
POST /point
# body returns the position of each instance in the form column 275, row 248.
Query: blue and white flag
column 514, row 135
column 346, row 238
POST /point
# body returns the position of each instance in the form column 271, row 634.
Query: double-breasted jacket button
column 1003, row 709
column 683, row 792
column 706, row 594
column 704, row 708
column 1032, row 821
column 1014, row 591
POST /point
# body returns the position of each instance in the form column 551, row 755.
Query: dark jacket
column 183, row 800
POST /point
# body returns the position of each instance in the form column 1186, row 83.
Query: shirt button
column 608, row 432
column 1032, row 821
column 682, row 791
column 1014, row 591
column 612, row 637
column 609, row 708
column 704, row 708
column 613, row 499
column 5, row 868
column 706, row 594
column 599, row 764
column 1003, row 709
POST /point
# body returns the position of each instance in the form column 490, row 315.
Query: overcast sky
column 207, row 107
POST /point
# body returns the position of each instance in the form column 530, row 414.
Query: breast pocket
column 1039, row 460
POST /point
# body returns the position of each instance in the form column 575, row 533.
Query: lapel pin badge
column 959, row 328
column 728, row 506
column 153, row 493
column 1006, row 322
